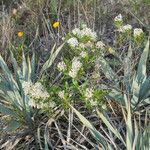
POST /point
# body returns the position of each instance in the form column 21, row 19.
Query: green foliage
column 52, row 57
column 135, row 86
column 16, row 103
column 97, row 135
column 11, row 91
column 134, row 138
column 77, row 69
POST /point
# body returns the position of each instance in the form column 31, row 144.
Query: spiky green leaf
column 97, row 135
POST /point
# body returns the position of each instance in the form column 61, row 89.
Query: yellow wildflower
column 20, row 34
column 56, row 24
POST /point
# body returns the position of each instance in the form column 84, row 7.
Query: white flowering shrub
column 26, row 98
column 78, row 69
column 73, row 42
column 37, row 95
column 128, row 33
column 126, row 28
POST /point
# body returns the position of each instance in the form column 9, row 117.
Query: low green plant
column 77, row 68
column 130, row 82
column 21, row 90
column 130, row 89
column 135, row 86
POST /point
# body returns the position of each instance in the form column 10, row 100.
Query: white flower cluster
column 83, row 54
column 76, row 65
column 35, row 92
column 76, row 32
column 89, row 93
column 89, row 96
column 118, row 18
column 125, row 28
column 73, row 42
column 26, row 87
column 100, row 44
column 61, row 66
column 85, row 32
column 83, row 25
column 137, row 32
column 61, row 94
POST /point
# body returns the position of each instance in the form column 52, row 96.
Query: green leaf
column 29, row 69
column 9, row 94
column 116, row 95
column 24, row 67
column 129, row 135
column 8, row 74
column 45, row 142
column 97, row 135
column 6, row 111
column 51, row 59
column 127, row 70
column 108, row 72
column 135, row 143
column 110, row 127
column 135, row 92
column 12, row 126
column 145, row 90
column 139, row 79
column 33, row 66
column 141, row 72
column 15, row 65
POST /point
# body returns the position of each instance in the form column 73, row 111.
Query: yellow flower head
column 20, row 34
column 56, row 24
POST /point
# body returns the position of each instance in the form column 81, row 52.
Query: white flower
column 38, row 91
column 89, row 93
column 94, row 36
column 76, row 31
column 61, row 94
column 52, row 104
column 83, row 54
column 82, row 45
column 93, row 103
column 88, row 33
column 32, row 103
column 34, row 92
column 73, row 73
column 85, row 32
column 118, row 18
column 83, row 25
column 100, row 44
column 61, row 66
column 73, row 42
column 26, row 87
column 125, row 28
column 63, row 38
column 137, row 32
column 76, row 65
